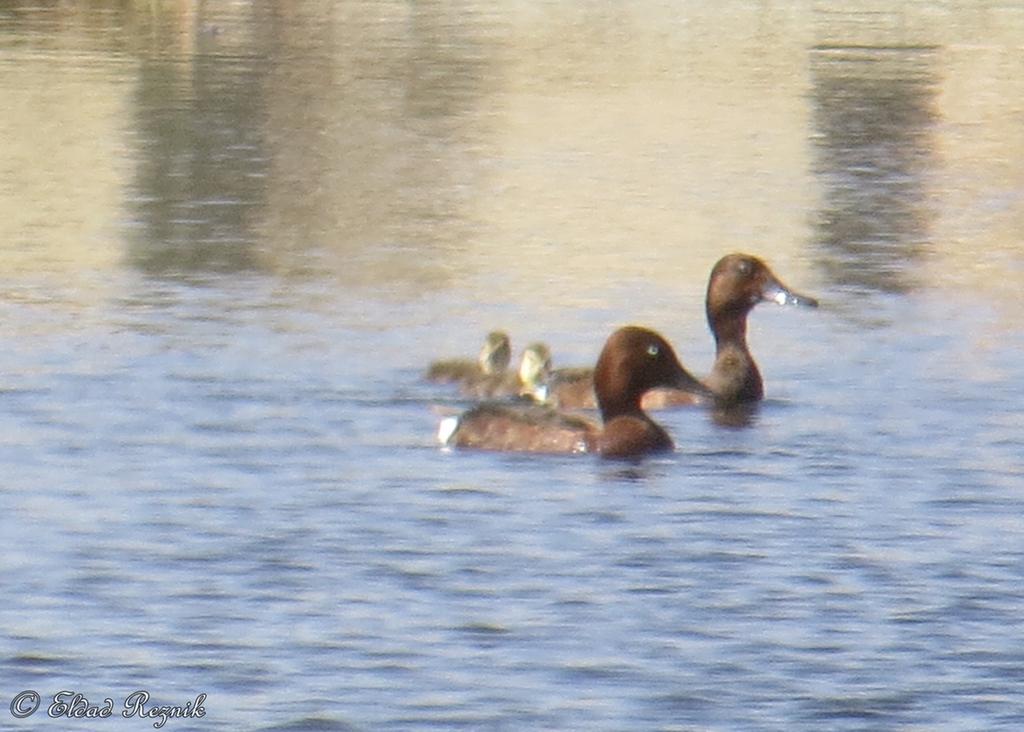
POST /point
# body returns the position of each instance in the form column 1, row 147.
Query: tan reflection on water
column 411, row 146
column 550, row 153
column 979, row 240
column 624, row 156
column 62, row 167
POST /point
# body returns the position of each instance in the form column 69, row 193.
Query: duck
column 633, row 360
column 528, row 382
column 738, row 282
column 493, row 360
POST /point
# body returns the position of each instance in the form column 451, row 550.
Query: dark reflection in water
column 873, row 111
column 736, row 417
column 349, row 135
column 446, row 66
column 631, row 470
column 201, row 170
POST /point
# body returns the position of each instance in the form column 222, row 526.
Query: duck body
column 527, row 428
column 632, row 361
column 572, row 388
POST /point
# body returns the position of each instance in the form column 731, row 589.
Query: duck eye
column 652, row 350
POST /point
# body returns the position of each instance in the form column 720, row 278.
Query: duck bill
column 685, row 381
column 774, row 291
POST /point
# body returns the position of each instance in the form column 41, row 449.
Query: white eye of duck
column 652, row 350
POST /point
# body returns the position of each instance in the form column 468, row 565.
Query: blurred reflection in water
column 873, row 113
column 203, row 172
column 372, row 140
column 304, row 138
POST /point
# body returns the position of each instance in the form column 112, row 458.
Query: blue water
column 219, row 472
column 233, row 505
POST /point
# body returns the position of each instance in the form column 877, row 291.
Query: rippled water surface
column 234, row 234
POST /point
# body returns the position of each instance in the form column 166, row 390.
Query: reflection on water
column 370, row 129
column 396, row 146
column 874, row 109
column 737, row 416
column 201, row 178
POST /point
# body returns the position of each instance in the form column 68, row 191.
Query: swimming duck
column 493, row 360
column 737, row 283
column 632, row 361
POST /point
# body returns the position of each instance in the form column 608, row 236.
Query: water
column 234, row 234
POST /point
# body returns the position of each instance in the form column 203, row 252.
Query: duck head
column 495, row 354
column 738, row 282
column 534, row 370
column 634, row 360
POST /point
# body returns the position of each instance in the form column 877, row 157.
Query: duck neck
column 735, row 376
column 622, row 407
column 631, row 437
column 729, row 329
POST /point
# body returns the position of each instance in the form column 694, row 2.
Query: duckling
column 529, row 381
column 493, row 360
